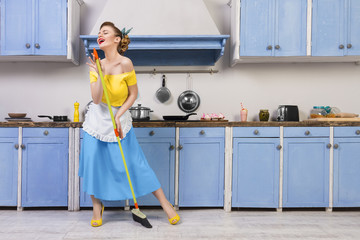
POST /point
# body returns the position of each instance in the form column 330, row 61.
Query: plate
column 18, row 119
column 17, row 115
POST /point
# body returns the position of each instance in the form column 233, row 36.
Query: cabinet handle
column 269, row 47
column 16, row 146
column 336, row 146
column 278, row 147
column 357, row 132
column 256, row 132
column 172, row 147
column 180, row 147
column 307, row 132
column 37, row 45
column 328, row 145
column 341, row 46
column 152, row 133
column 349, row 45
column 22, row 146
column 277, row 47
column 202, row 132
column 46, row 132
column 27, row 45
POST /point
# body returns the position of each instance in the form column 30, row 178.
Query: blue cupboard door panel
column 306, row 172
column 45, row 172
column 201, row 177
column 346, row 172
column 353, row 28
column 50, row 27
column 256, row 27
column 16, row 27
column 8, row 171
column 290, row 27
column 256, row 172
column 328, row 28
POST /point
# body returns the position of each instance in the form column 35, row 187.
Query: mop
column 138, row 216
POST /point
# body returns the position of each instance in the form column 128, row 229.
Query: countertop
column 193, row 124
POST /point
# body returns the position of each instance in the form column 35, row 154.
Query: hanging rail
column 155, row 71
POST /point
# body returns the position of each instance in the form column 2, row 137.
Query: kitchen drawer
column 46, row 132
column 154, row 132
column 306, row 132
column 347, row 131
column 9, row 132
column 256, row 132
column 202, row 132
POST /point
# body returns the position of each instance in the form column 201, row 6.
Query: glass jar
column 318, row 112
column 264, row 115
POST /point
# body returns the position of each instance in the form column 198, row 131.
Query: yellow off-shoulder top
column 117, row 86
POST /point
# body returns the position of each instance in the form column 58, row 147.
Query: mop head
column 140, row 218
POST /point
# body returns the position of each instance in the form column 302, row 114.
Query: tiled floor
column 195, row 224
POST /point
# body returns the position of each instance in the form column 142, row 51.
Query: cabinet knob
column 357, row 132
column 22, row 146
column 256, row 132
column 307, row 132
column 37, row 45
column 46, row 132
column 349, row 45
column 172, row 147
column 277, row 47
column 336, row 146
column 269, row 47
column 27, row 45
column 278, row 147
column 202, row 132
column 16, row 146
column 151, row 133
column 328, row 145
column 341, row 46
column 180, row 147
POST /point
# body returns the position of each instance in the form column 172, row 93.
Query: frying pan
column 163, row 93
column 178, row 117
column 56, row 118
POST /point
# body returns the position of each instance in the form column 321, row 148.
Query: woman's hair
column 125, row 40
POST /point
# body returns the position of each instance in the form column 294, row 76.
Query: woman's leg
column 96, row 208
column 165, row 204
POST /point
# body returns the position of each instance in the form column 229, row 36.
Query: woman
column 101, row 166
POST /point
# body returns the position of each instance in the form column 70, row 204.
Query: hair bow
column 125, row 32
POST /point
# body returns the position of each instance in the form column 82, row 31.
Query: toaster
column 288, row 113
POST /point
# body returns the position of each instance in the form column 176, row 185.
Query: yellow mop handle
column 114, row 124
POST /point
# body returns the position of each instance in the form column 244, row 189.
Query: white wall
column 52, row 88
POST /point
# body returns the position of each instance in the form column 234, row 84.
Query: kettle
column 288, row 113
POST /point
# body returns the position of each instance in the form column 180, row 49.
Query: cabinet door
column 50, row 27
column 8, row 171
column 45, row 172
column 256, row 27
column 346, row 172
column 201, row 178
column 256, row 172
column 328, row 28
column 353, row 36
column 306, row 172
column 290, row 28
column 16, row 27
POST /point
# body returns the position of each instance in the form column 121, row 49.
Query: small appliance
column 288, row 113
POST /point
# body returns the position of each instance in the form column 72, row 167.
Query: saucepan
column 56, row 118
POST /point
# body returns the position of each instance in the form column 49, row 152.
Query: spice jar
column 264, row 115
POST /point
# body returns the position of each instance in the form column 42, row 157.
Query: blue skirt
column 102, row 169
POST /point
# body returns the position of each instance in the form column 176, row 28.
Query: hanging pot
column 163, row 93
column 189, row 101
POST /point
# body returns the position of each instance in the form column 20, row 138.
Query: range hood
column 168, row 50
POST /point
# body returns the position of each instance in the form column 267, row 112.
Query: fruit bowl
column 17, row 115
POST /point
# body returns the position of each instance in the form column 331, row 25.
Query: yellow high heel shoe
column 175, row 219
column 98, row 223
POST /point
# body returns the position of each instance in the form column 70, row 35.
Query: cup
column 243, row 115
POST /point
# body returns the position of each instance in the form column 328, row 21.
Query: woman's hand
column 118, row 126
column 92, row 65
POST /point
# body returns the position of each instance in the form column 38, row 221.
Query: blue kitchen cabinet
column 8, row 166
column 33, row 27
column 273, row 28
column 256, row 164
column 201, row 176
column 336, row 28
column 346, row 167
column 306, row 167
column 45, row 167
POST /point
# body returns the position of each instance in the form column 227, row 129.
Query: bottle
column 76, row 112
column 264, row 115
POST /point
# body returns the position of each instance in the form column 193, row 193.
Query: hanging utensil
column 163, row 93
column 188, row 100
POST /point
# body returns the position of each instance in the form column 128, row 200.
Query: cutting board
column 357, row 119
